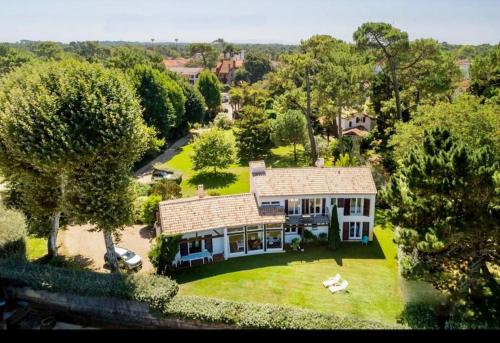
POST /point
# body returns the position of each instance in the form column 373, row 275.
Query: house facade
column 281, row 205
column 190, row 73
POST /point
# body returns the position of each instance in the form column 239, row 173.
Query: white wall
column 367, row 124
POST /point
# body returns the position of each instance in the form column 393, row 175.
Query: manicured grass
column 35, row 248
column 233, row 180
column 295, row 278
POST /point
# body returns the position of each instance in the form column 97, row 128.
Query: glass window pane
column 236, row 243
column 254, row 240
column 273, row 239
column 194, row 247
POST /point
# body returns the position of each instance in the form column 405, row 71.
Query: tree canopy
column 253, row 135
column 257, row 65
column 213, row 149
column 485, row 73
column 289, row 128
column 209, row 86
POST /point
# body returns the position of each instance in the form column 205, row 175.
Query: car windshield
column 128, row 255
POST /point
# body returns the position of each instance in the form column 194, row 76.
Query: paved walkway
column 144, row 174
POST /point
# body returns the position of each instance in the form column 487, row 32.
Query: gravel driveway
column 88, row 247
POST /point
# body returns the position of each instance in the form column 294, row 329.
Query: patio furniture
column 364, row 240
column 339, row 288
column 332, row 281
column 196, row 256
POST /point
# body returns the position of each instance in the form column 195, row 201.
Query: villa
column 282, row 203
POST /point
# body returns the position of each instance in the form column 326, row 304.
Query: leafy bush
column 167, row 189
column 163, row 252
column 295, row 245
column 222, row 121
column 419, row 316
column 138, row 209
column 154, row 290
column 140, row 189
column 12, row 233
column 149, row 208
column 323, row 236
column 262, row 316
column 309, row 236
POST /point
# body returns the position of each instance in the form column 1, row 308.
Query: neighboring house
column 282, row 203
column 189, row 73
column 226, row 68
column 362, row 122
column 175, row 62
column 464, row 66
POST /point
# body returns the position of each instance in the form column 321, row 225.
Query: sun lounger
column 332, row 281
column 339, row 288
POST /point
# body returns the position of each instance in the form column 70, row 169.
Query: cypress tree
column 333, row 230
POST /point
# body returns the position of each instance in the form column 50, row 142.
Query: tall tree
column 91, row 51
column 334, row 230
column 195, row 106
column 485, row 73
column 126, row 57
column 253, row 135
column 390, row 46
column 207, row 52
column 289, row 128
column 209, row 86
column 445, row 196
column 257, row 65
column 11, row 58
column 214, row 149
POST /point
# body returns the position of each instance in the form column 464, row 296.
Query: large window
column 355, row 230
column 270, row 203
column 356, row 204
column 274, row 237
column 236, row 238
column 293, row 206
column 313, row 206
column 255, row 238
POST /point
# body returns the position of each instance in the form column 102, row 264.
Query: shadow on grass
column 211, row 180
column 309, row 255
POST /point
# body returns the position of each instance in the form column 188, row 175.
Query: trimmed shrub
column 222, row 121
column 154, row 290
column 262, row 316
column 167, row 189
column 12, row 233
column 419, row 316
column 149, row 208
column 309, row 236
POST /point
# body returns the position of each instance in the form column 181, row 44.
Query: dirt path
column 88, row 247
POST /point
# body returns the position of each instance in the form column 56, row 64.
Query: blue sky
column 264, row 21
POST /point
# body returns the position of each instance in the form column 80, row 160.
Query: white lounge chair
column 332, row 281
column 339, row 288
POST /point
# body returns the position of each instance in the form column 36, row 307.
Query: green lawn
column 35, row 248
column 233, row 180
column 295, row 278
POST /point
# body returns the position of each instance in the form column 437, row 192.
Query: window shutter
column 366, row 208
column 208, row 243
column 366, row 229
column 340, row 202
column 323, row 201
column 183, row 247
column 345, row 231
column 286, row 206
column 347, row 207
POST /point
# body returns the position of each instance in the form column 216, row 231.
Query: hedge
column 262, row 316
column 154, row 290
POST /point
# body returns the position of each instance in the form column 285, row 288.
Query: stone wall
column 103, row 311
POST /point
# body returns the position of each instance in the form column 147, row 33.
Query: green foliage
column 195, row 106
column 208, row 53
column 289, row 128
column 213, row 148
column 11, row 58
column 91, row 51
column 485, row 73
column 166, row 189
column 126, row 57
column 309, row 236
column 161, row 97
column 256, row 66
column 295, row 245
column 445, row 191
column 12, row 233
column 241, row 75
column 253, row 134
column 222, row 121
column 419, row 316
column 262, row 316
column 346, row 160
column 149, row 209
column 334, row 230
column 156, row 291
column 209, row 86
column 163, row 252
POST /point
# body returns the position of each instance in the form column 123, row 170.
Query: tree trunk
column 339, row 118
column 54, row 230
column 110, row 252
column 314, row 154
column 395, row 85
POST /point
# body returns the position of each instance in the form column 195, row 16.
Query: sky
column 244, row 21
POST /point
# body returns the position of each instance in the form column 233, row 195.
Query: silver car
column 127, row 258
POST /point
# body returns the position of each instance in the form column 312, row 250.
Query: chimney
column 257, row 168
column 201, row 191
column 320, row 163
